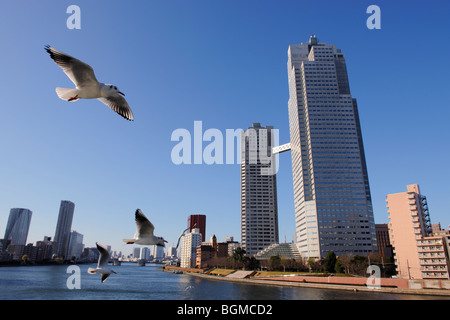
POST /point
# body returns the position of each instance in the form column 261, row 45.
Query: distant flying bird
column 144, row 232
column 182, row 234
column 102, row 266
column 87, row 86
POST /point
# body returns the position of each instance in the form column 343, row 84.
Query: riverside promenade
column 386, row 285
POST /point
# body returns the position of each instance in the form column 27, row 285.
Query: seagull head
column 113, row 88
column 161, row 242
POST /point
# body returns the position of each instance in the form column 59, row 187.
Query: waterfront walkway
column 240, row 274
column 386, row 285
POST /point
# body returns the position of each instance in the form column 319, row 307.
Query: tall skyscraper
column 144, row 253
column 333, row 206
column 172, row 252
column 158, row 252
column 137, row 252
column 18, row 226
column 75, row 247
column 200, row 223
column 259, row 206
column 63, row 227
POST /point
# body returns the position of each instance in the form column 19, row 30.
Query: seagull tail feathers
column 67, row 94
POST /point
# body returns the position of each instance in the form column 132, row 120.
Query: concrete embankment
column 399, row 286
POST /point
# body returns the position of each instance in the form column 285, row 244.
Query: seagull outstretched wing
column 144, row 228
column 118, row 104
column 81, row 74
column 182, row 234
column 104, row 256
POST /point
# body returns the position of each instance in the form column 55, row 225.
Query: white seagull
column 182, row 234
column 102, row 266
column 87, row 86
column 144, row 232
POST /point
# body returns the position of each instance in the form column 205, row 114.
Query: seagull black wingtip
column 49, row 51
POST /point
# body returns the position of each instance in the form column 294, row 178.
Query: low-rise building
column 433, row 256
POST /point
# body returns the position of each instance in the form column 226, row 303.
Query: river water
column 134, row 282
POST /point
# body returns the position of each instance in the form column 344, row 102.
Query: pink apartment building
column 418, row 253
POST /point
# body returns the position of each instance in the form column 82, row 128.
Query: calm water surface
column 147, row 283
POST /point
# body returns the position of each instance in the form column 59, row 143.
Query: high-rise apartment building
column 418, row 252
column 189, row 245
column 259, row 206
column 408, row 223
column 333, row 206
column 63, row 227
column 144, row 253
column 75, row 247
column 18, row 226
column 158, row 252
column 197, row 221
column 172, row 252
column 137, row 252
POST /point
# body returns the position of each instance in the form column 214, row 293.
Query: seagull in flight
column 86, row 84
column 182, row 234
column 102, row 266
column 144, row 232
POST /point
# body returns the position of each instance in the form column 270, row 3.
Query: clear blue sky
column 222, row 63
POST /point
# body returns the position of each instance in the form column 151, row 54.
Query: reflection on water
column 147, row 283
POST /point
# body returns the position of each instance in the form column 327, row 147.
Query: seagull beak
column 121, row 93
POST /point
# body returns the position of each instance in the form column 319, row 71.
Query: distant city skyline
column 221, row 63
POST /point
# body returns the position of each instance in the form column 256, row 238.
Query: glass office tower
column 333, row 206
column 63, row 228
column 18, row 226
